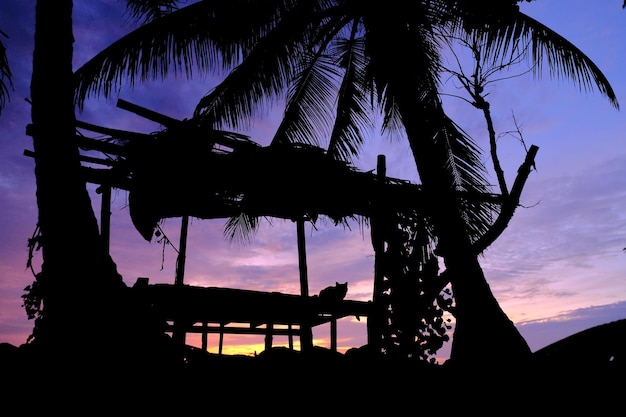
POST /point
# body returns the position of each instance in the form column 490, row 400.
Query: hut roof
column 189, row 177
column 187, row 170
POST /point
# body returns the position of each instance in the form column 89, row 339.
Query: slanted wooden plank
column 147, row 114
column 114, row 133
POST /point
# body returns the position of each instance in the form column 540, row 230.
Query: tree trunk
column 80, row 283
column 484, row 336
column 483, row 332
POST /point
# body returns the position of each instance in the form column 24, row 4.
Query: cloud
column 569, row 244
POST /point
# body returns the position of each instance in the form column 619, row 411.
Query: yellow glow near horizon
column 252, row 345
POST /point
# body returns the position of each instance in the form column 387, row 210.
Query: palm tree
column 338, row 61
column 79, row 300
column 78, row 281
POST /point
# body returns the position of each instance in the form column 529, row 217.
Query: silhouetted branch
column 510, row 203
column 475, row 85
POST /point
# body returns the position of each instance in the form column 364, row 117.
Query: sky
column 559, row 268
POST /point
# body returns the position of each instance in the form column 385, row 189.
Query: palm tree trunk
column 484, row 336
column 79, row 280
column 483, row 332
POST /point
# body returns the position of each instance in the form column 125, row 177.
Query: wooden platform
column 204, row 310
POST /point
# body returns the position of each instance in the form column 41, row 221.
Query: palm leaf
column 245, row 90
column 6, row 78
column 241, row 229
column 310, row 102
column 469, row 175
column 207, row 37
column 502, row 36
column 264, row 74
column 354, row 106
column 148, row 10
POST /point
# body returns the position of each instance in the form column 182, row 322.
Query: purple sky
column 559, row 268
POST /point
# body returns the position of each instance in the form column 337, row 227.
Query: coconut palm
column 336, row 62
column 69, row 232
column 78, row 295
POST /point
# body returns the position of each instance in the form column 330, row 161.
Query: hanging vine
column 32, row 299
column 416, row 297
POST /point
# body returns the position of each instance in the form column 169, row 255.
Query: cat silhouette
column 334, row 293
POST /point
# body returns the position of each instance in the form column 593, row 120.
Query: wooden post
column 178, row 335
column 269, row 336
column 205, row 341
column 182, row 253
column 333, row 334
column 105, row 215
column 377, row 239
column 306, row 334
column 375, row 321
column 221, row 338
column 304, row 278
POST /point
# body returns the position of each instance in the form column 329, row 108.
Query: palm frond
column 309, row 102
column 469, row 174
column 502, row 37
column 241, row 229
column 354, row 106
column 246, row 90
column 207, row 37
column 404, row 64
column 6, row 77
column 148, row 10
column 263, row 75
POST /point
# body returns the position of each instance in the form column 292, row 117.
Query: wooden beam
column 97, row 161
column 114, row 133
column 100, row 146
column 83, row 158
column 218, row 329
column 224, row 138
column 147, row 114
column 92, row 144
column 105, row 177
